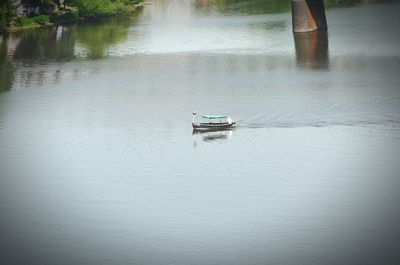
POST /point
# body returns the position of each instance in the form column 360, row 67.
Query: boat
column 213, row 122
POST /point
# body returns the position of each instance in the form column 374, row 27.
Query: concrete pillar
column 312, row 49
column 308, row 15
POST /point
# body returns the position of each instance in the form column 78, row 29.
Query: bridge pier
column 308, row 15
column 312, row 49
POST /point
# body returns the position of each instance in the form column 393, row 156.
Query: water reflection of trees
column 98, row 36
column 60, row 43
column 6, row 68
column 52, row 44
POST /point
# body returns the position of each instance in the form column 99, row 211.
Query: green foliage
column 41, row 20
column 121, row 8
column 30, row 21
column 6, row 13
column 96, row 8
column 24, row 21
column 93, row 8
column 83, row 8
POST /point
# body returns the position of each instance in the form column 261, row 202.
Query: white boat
column 213, row 122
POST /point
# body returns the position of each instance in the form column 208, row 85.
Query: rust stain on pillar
column 308, row 15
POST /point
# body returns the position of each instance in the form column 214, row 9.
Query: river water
column 99, row 165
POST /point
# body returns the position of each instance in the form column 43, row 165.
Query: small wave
column 392, row 122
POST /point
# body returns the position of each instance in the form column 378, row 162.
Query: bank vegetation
column 21, row 14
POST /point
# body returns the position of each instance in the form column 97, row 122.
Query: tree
column 43, row 5
column 6, row 13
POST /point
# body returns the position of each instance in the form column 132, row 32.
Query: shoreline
column 14, row 28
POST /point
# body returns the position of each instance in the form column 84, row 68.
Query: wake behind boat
column 213, row 122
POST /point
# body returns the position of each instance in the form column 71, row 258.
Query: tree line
column 47, row 10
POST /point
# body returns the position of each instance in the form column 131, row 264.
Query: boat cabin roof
column 214, row 117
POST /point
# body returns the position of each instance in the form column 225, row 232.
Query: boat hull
column 213, row 126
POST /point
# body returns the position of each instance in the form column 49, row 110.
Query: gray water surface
column 99, row 165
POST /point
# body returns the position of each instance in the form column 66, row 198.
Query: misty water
column 99, row 164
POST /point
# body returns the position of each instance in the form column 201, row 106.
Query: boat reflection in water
column 211, row 136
